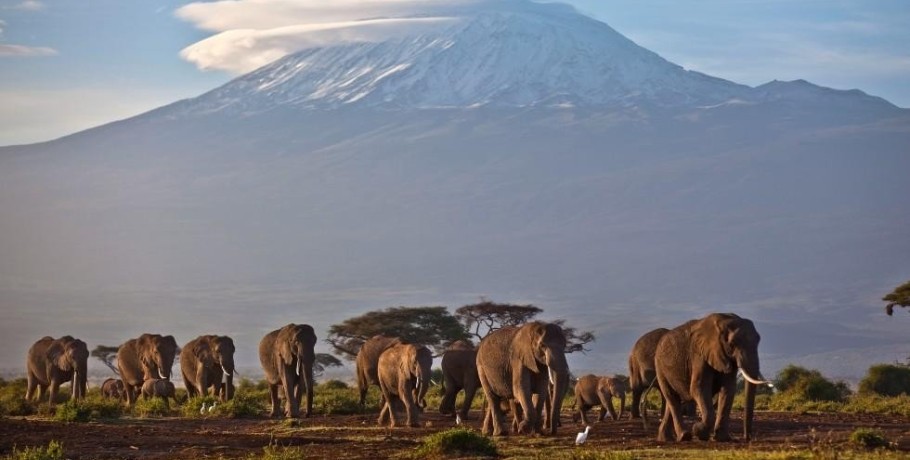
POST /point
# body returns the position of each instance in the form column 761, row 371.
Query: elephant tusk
column 417, row 384
column 754, row 381
column 224, row 376
column 552, row 375
column 161, row 374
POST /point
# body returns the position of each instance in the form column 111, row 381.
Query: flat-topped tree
column 899, row 297
column 433, row 327
column 484, row 317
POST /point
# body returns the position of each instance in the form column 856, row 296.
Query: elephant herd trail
column 358, row 436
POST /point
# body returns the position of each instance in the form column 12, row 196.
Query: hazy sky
column 67, row 66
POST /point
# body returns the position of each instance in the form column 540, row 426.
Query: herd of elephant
column 522, row 369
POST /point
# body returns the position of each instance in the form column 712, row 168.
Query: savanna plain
column 795, row 423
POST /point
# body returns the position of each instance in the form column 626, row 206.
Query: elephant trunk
column 422, row 386
column 749, row 410
column 622, row 403
column 558, row 370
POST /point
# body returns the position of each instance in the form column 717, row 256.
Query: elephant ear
column 283, row 344
column 525, row 344
column 708, row 339
column 171, row 342
column 55, row 354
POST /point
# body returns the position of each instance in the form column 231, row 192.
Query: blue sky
column 67, row 66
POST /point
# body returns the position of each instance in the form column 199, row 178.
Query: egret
column 583, row 436
column 457, row 419
column 202, row 409
column 212, row 407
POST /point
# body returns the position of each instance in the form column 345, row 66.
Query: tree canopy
column 323, row 362
column 484, row 317
column 106, row 354
column 434, row 327
column 899, row 297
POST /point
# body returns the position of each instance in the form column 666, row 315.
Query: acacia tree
column 106, row 354
column 484, row 317
column 899, row 297
column 434, row 327
column 323, row 362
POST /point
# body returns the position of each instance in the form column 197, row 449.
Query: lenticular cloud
column 252, row 33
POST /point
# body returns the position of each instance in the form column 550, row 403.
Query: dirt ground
column 358, row 436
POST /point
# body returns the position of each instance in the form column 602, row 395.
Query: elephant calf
column 113, row 389
column 161, row 388
column 592, row 390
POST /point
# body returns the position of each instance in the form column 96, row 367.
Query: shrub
column 151, row 407
column 809, row 385
column 886, row 380
column 457, row 441
column 192, row 407
column 332, row 385
column 92, row 408
column 53, row 451
column 242, row 405
column 868, row 438
column 12, row 398
column 341, row 401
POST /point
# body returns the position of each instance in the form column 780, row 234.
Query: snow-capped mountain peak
column 513, row 54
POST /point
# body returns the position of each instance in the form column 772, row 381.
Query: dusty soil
column 358, row 437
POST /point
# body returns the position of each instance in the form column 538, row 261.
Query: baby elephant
column 161, row 388
column 113, row 389
column 592, row 390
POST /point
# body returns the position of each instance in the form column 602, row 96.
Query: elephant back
column 494, row 361
column 36, row 359
column 459, row 364
column 368, row 356
column 641, row 358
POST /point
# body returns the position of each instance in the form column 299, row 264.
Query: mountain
column 524, row 153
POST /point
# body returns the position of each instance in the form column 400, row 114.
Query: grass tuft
column 869, row 438
column 53, row 451
column 457, row 442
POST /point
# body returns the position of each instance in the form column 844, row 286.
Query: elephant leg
column 703, row 398
column 273, row 397
column 469, row 392
column 724, row 404
column 447, row 405
column 54, row 388
column 410, row 406
column 496, row 414
column 580, row 404
column 32, row 385
column 671, row 415
column 636, row 401
column 606, row 406
column 289, row 381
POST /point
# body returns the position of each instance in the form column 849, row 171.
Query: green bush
column 456, row 441
column 243, row 404
column 340, row 402
column 886, row 380
column 192, row 407
column 809, row 385
column 151, row 407
column 12, row 398
column 92, row 408
column 53, row 451
column 332, row 385
column 868, row 438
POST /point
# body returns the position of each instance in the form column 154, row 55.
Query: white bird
column 457, row 419
column 202, row 409
column 212, row 407
column 583, row 436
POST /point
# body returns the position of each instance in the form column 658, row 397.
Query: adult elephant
column 459, row 372
column 208, row 361
column 51, row 362
column 113, row 389
column 641, row 367
column 592, row 390
column 519, row 362
column 368, row 362
column 402, row 369
column 287, row 356
column 148, row 356
column 699, row 359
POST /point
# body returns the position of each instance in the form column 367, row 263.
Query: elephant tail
column 644, row 403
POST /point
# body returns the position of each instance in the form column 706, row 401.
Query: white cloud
column 27, row 5
column 252, row 33
column 25, row 51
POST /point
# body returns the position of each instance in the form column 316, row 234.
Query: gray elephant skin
column 592, row 390
column 208, row 362
column 698, row 360
column 287, row 356
column 113, row 389
column 159, row 388
column 51, row 362
column 520, row 362
column 459, row 372
column 146, row 357
column 641, row 367
column 368, row 362
column 402, row 369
